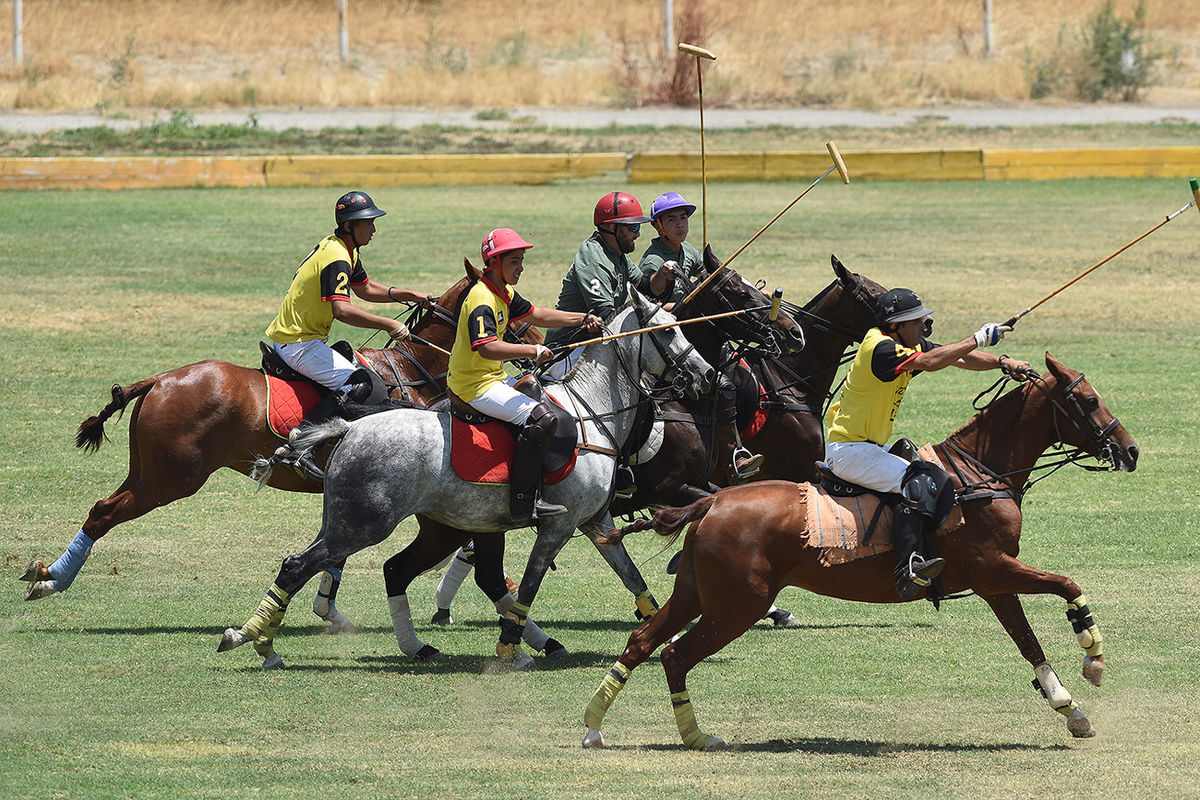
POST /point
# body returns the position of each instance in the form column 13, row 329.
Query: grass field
column 115, row 689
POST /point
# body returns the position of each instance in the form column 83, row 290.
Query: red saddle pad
column 483, row 453
column 287, row 403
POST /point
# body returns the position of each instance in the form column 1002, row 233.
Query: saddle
column 272, row 364
column 481, row 447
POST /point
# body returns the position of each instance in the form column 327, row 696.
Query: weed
column 121, row 66
column 511, row 51
column 1116, row 59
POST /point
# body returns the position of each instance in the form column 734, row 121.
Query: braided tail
column 91, row 434
column 671, row 521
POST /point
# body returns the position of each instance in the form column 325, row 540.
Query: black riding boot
column 744, row 464
column 533, row 442
column 913, row 572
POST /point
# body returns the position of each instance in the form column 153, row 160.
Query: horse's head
column 729, row 291
column 672, row 357
column 1082, row 420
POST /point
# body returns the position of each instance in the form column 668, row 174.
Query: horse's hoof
column 33, row 571
column 233, row 638
column 340, row 623
column 784, row 618
column 717, row 743
column 1093, row 669
column 273, row 661
column 442, row 617
column 555, row 649
column 429, row 654
column 39, row 589
column 523, row 662
column 1080, row 726
column 593, row 739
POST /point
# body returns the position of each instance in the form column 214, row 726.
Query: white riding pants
column 505, row 403
column 866, row 464
column 317, row 360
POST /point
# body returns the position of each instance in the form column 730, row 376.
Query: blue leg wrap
column 69, row 563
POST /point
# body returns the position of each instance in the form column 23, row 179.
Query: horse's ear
column 473, row 273
column 1059, row 370
column 711, row 262
column 845, row 276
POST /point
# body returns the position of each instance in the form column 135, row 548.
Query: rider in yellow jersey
column 319, row 294
column 477, row 370
column 860, row 422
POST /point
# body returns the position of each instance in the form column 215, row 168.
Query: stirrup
column 922, row 571
column 746, row 464
column 626, row 485
column 299, row 460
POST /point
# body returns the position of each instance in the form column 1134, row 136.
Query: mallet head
column 776, row 299
column 698, row 52
column 837, row 161
column 1195, row 184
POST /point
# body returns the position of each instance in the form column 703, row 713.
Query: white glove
column 543, row 354
column 990, row 334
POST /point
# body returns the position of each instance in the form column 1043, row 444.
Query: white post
column 343, row 30
column 669, row 28
column 18, row 44
column 987, row 28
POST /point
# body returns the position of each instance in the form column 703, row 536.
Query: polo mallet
column 700, row 53
column 677, row 324
column 1195, row 186
column 838, row 164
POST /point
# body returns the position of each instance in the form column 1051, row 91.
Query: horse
column 750, row 541
column 193, row 420
column 392, row 465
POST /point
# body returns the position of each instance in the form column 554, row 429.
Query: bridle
column 751, row 329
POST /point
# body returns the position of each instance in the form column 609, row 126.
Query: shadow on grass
column 822, row 745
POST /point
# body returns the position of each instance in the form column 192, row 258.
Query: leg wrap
column 1085, row 627
column 406, row 635
column 533, row 635
column 512, row 624
column 265, row 622
column 70, row 562
column 1047, row 682
column 646, row 606
column 685, row 718
column 452, row 581
column 323, row 603
column 603, row 698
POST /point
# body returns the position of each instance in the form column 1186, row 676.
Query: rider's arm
column 350, row 314
column 378, row 293
column 978, row 360
column 553, row 318
column 940, row 357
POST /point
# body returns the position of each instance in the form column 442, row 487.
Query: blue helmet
column 668, row 201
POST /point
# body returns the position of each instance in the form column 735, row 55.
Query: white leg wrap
column 504, row 603
column 406, row 635
column 321, row 603
column 1056, row 694
column 451, row 582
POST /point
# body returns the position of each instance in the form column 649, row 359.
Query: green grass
column 116, row 689
column 181, row 136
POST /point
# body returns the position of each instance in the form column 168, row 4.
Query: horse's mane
column 996, row 421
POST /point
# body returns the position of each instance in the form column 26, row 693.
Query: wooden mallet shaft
column 676, row 324
column 701, row 53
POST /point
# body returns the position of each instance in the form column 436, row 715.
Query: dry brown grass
column 867, row 53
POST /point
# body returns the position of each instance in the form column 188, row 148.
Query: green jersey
column 596, row 283
column 690, row 262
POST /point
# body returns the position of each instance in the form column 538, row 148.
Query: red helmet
column 499, row 242
column 619, row 207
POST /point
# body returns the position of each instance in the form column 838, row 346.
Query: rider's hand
column 542, row 354
column 427, row 301
column 399, row 334
column 1017, row 370
column 593, row 323
column 990, row 334
column 667, row 270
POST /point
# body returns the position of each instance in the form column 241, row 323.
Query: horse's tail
column 304, row 437
column 91, row 434
column 666, row 522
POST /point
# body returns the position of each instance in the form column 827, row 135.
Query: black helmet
column 356, row 205
column 899, row 305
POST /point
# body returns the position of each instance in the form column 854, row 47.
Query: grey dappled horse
column 390, row 466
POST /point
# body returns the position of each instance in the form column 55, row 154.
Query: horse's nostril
column 710, row 376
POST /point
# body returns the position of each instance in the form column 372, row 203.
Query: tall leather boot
column 913, row 572
column 744, row 465
column 533, row 442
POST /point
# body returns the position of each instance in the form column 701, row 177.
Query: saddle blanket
column 837, row 525
column 288, row 402
column 483, row 453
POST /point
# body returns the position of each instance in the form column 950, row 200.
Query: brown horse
column 750, row 541
column 193, row 420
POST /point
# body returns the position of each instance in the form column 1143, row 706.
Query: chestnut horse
column 750, row 541
column 193, row 420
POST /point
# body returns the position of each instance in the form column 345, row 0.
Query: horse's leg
column 552, row 535
column 619, row 559
column 433, row 543
column 324, row 603
column 1010, row 575
column 682, row 607
column 491, row 579
column 461, row 565
column 1007, row 608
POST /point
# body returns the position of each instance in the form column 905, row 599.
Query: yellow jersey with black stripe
column 874, row 387
column 324, row 278
column 484, row 317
